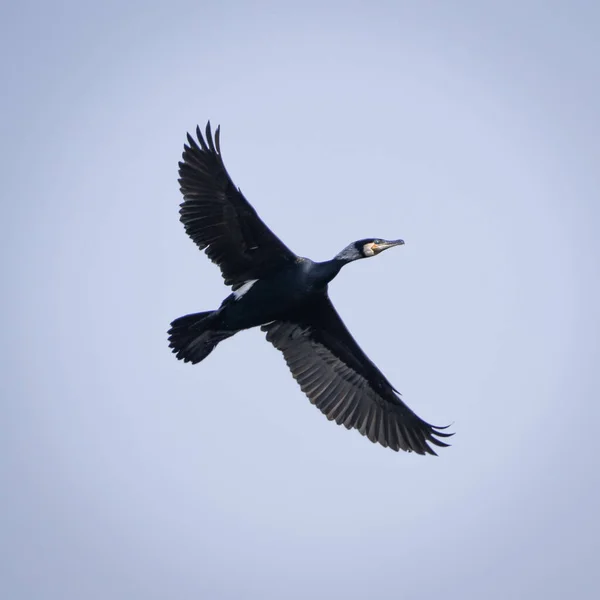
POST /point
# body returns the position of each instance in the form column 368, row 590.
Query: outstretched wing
column 344, row 384
column 220, row 220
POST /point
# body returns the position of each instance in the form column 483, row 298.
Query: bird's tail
column 192, row 338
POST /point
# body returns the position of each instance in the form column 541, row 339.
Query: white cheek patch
column 244, row 288
column 368, row 250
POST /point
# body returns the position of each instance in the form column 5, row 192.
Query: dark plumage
column 286, row 295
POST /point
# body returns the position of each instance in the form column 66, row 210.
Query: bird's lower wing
column 331, row 370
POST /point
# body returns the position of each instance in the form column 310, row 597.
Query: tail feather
column 191, row 337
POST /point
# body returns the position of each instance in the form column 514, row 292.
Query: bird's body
column 286, row 295
column 274, row 297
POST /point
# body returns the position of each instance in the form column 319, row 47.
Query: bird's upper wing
column 220, row 220
column 344, row 384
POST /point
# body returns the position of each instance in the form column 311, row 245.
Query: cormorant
column 286, row 295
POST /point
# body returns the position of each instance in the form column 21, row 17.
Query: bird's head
column 366, row 248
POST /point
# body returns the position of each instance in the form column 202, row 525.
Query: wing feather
column 220, row 220
column 344, row 384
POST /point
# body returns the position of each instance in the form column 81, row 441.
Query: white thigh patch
column 244, row 288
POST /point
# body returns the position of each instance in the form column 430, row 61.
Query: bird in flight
column 286, row 296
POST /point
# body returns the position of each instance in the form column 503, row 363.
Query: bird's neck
column 326, row 271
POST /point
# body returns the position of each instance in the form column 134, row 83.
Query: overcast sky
column 471, row 130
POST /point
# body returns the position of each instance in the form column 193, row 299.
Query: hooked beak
column 385, row 245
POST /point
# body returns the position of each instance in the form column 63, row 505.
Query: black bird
column 286, row 295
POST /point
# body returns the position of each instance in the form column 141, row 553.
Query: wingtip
column 436, row 429
column 191, row 143
column 218, row 139
column 209, row 138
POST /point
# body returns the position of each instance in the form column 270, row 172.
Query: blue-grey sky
column 468, row 128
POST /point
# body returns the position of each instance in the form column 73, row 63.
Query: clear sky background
column 470, row 129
